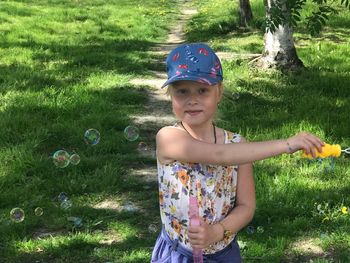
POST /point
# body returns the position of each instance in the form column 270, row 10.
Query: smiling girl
column 195, row 158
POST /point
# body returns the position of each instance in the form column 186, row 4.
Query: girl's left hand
column 202, row 236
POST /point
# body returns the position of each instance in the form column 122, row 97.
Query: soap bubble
column 260, row 230
column 17, row 215
column 235, row 95
column 38, row 211
column 130, row 207
column 62, row 197
column 324, row 235
column 329, row 165
column 74, row 159
column 66, row 204
column 152, row 228
column 61, row 158
column 78, row 222
column 131, row 133
column 142, row 147
column 92, row 136
column 250, row 230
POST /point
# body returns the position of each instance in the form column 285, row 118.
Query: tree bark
column 279, row 50
column 245, row 13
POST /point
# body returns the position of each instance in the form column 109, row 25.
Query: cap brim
column 205, row 79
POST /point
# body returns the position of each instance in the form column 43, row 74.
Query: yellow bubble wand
column 328, row 150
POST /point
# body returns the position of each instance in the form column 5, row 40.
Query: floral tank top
column 213, row 185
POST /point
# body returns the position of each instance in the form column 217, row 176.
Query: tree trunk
column 279, row 51
column 245, row 13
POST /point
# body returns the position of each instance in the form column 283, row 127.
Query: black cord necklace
column 191, row 135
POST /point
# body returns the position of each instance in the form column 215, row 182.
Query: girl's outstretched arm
column 175, row 144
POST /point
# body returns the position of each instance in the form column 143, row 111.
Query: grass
column 65, row 67
column 266, row 105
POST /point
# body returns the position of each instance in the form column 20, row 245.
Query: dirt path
column 158, row 107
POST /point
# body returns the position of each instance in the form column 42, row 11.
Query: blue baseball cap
column 196, row 62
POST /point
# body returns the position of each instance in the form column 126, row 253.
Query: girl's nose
column 193, row 98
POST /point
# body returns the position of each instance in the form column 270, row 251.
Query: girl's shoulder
column 167, row 133
column 169, row 130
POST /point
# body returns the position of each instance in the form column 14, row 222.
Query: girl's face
column 195, row 103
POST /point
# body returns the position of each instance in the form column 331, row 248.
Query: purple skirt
column 167, row 250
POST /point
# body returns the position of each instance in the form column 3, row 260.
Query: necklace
column 191, row 135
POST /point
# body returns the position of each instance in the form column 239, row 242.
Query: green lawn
column 298, row 202
column 65, row 67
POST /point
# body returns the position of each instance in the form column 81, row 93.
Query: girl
column 197, row 159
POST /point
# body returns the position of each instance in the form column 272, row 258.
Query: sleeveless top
column 213, row 185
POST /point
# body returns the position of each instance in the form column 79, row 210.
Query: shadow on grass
column 215, row 30
column 223, row 27
column 74, row 63
column 321, row 99
column 311, row 98
column 32, row 132
column 51, row 122
column 80, row 249
column 122, row 232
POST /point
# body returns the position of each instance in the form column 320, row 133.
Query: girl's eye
column 202, row 90
column 181, row 91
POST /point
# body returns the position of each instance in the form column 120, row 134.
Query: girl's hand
column 305, row 141
column 202, row 236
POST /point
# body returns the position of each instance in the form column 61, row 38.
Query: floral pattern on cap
column 196, row 62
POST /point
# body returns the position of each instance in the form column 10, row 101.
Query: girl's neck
column 205, row 133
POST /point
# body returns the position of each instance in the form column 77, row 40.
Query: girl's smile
column 193, row 112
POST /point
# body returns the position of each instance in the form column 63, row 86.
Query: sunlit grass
column 267, row 105
column 65, row 67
